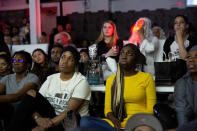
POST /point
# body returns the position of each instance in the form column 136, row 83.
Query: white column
column 35, row 20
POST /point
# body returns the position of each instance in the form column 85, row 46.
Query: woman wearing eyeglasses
column 128, row 92
column 61, row 93
column 14, row 86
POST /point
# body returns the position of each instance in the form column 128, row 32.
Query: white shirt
column 174, row 48
column 160, row 52
column 59, row 92
column 149, row 49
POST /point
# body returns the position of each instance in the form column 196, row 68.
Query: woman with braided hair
column 127, row 92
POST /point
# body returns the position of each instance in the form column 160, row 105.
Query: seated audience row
column 58, row 96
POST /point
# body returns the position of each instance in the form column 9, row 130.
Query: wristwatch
column 36, row 117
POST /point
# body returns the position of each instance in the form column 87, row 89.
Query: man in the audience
column 186, row 90
column 55, row 57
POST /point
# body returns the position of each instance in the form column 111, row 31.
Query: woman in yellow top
column 127, row 93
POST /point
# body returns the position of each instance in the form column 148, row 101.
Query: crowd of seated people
column 39, row 96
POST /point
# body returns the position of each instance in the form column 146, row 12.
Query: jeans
column 91, row 122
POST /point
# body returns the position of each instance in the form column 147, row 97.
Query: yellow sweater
column 139, row 95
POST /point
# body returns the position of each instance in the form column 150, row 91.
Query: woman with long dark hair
column 41, row 64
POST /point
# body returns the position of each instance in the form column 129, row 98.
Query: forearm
column 57, row 120
column 74, row 105
column 9, row 98
column 181, row 117
column 182, row 51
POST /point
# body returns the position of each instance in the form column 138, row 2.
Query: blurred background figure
column 159, row 33
column 63, row 38
column 142, row 36
column 5, row 65
column 84, row 61
column 15, row 36
column 41, row 64
column 84, row 57
column 54, row 61
column 43, row 38
column 7, row 36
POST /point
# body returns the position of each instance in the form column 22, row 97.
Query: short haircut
column 57, row 45
column 84, row 50
column 26, row 55
column 74, row 52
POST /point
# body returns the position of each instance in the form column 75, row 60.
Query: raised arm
column 180, row 41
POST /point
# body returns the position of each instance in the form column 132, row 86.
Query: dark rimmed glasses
column 19, row 60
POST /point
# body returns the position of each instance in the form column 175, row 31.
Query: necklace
column 64, row 85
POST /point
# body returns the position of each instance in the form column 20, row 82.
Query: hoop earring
column 76, row 69
column 27, row 71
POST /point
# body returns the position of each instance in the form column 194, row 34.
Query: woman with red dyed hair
column 142, row 36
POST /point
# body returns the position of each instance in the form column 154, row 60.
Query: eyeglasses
column 190, row 57
column 127, row 53
column 19, row 60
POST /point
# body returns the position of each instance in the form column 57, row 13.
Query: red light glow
column 179, row 3
column 138, row 25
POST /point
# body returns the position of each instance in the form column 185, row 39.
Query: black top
column 102, row 48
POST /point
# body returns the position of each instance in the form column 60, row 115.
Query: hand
column 115, row 121
column 38, row 128
column 44, row 122
column 112, row 52
column 179, row 35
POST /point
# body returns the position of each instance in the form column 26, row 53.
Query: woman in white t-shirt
column 60, row 93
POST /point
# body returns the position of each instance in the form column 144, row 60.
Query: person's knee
column 85, row 121
column 32, row 93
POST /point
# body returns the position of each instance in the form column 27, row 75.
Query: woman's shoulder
column 80, row 76
column 184, row 80
column 10, row 76
column 144, row 75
